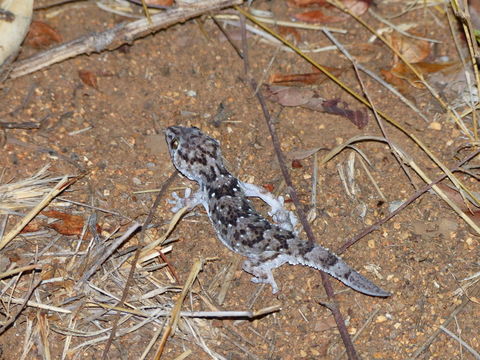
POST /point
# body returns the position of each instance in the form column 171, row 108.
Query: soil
column 185, row 75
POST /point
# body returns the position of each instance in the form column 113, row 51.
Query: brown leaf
column 288, row 96
column 399, row 83
column 68, row 225
column 357, row 7
column 33, row 226
column 359, row 118
column 310, row 78
column 42, row 35
column 401, row 73
column 317, row 17
column 413, row 50
column 269, row 187
column 295, row 96
column 296, row 164
column 88, row 78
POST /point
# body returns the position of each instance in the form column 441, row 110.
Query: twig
column 24, row 125
column 113, row 38
column 351, row 352
column 362, row 328
column 24, row 304
column 148, row 220
column 475, row 354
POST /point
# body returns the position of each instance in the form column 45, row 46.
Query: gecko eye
column 174, row 144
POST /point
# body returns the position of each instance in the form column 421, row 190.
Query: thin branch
column 113, row 38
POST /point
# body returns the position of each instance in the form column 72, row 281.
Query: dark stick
column 347, row 341
column 10, row 322
column 148, row 220
column 23, row 125
column 411, row 199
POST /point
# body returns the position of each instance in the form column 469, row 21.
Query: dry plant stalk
column 117, row 36
column 172, row 325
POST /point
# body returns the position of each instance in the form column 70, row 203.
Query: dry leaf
column 317, row 17
column 400, row 84
column 32, row 226
column 269, row 187
column 295, row 96
column 310, row 78
column 42, row 35
column 289, row 96
column 359, row 118
column 68, row 225
column 296, row 164
column 357, row 7
column 400, row 74
column 413, row 50
column 88, row 78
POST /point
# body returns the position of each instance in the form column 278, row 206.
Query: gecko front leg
column 188, row 200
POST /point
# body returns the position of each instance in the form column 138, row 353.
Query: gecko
column 266, row 245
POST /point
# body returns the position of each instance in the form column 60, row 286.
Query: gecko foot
column 188, row 200
column 262, row 270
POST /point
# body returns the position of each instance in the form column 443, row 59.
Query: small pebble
column 435, row 125
column 137, row 181
column 380, row 319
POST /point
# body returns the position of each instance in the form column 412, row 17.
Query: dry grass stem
column 20, row 270
column 297, row 24
column 26, row 193
column 175, row 315
column 62, row 184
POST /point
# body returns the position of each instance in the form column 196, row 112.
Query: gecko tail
column 322, row 259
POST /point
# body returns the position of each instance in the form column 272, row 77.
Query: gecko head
column 196, row 155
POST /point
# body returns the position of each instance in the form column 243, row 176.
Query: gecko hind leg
column 262, row 269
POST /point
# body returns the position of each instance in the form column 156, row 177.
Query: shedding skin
column 239, row 226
